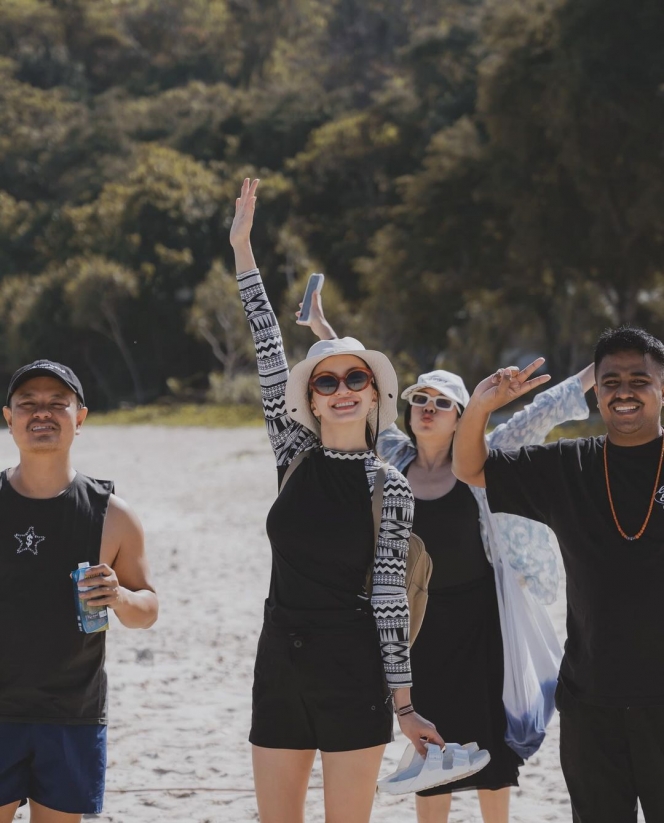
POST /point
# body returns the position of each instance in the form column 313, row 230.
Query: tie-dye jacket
column 531, row 546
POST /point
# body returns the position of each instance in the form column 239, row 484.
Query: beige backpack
column 419, row 564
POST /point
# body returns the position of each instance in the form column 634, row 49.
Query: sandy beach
column 181, row 692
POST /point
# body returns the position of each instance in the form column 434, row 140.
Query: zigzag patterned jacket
column 288, row 439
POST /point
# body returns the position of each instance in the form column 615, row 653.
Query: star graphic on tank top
column 28, row 541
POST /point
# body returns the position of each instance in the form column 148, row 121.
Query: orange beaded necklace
column 652, row 499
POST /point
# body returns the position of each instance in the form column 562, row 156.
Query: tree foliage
column 476, row 178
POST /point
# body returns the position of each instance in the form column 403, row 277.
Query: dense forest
column 478, row 179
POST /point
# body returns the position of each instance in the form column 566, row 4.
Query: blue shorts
column 62, row 767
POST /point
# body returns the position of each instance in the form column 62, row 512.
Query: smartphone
column 315, row 284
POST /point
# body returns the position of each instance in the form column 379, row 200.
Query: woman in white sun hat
column 457, row 661
column 329, row 657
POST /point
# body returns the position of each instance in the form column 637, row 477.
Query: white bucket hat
column 448, row 384
column 298, row 405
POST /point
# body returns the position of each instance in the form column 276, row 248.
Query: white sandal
column 416, row 773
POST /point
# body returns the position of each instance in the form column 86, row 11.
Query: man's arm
column 470, row 447
column 122, row 579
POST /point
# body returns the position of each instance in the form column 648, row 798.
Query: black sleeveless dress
column 50, row 672
column 457, row 659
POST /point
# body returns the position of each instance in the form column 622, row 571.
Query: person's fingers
column 108, row 598
column 516, row 388
column 524, row 374
column 432, row 736
column 504, row 379
column 535, row 382
column 509, row 372
column 248, row 190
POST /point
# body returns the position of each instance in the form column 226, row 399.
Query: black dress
column 457, row 660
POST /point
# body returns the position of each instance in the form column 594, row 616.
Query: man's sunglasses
column 326, row 383
column 420, row 398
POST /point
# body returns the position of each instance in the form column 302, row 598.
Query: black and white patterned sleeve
column 388, row 597
column 287, row 437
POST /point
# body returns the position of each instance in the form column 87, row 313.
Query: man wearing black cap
column 52, row 679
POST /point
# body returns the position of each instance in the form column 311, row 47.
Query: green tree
column 217, row 318
column 96, row 291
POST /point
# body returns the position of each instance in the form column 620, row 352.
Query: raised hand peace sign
column 245, row 206
column 507, row 384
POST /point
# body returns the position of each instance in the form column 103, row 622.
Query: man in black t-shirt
column 604, row 499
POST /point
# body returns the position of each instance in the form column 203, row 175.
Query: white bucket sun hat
column 446, row 382
column 298, row 405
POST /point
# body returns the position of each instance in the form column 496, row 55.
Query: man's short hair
column 628, row 338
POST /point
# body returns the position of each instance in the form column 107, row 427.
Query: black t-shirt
column 450, row 529
column 614, row 654
column 50, row 672
column 321, row 532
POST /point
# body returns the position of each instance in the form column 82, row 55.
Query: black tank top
column 49, row 671
column 450, row 528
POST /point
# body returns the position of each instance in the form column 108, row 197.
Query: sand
column 180, row 693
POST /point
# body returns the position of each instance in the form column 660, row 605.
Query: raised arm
column 470, row 445
column 317, row 321
column 287, row 437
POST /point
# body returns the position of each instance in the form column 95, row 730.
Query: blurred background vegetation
column 478, row 179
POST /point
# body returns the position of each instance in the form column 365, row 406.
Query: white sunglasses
column 419, row 398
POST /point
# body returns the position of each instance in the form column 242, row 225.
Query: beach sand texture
column 180, row 693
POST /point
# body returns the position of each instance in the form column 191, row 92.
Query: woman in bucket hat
column 329, row 657
column 457, row 662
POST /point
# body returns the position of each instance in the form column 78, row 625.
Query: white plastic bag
column 532, row 657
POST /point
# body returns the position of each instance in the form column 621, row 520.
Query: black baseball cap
column 46, row 368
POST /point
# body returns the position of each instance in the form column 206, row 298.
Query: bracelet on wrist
column 402, row 710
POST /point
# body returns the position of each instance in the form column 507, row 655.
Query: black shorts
column 320, row 691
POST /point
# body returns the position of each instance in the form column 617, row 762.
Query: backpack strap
column 295, row 462
column 377, row 509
